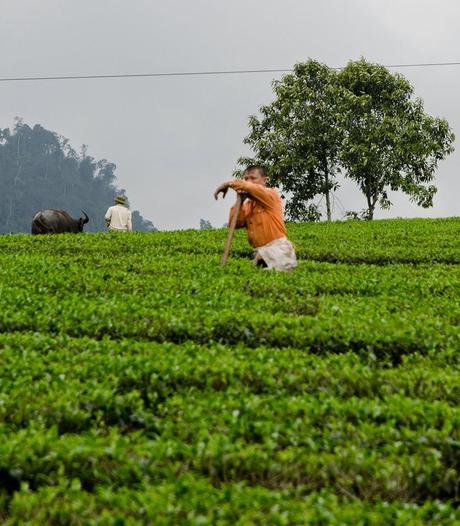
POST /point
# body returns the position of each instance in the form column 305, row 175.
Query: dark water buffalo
column 57, row 222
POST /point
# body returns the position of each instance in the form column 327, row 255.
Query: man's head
column 120, row 200
column 256, row 174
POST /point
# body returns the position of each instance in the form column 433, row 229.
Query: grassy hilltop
column 142, row 384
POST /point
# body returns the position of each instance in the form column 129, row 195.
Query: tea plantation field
column 142, row 384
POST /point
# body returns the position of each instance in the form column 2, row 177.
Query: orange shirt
column 261, row 214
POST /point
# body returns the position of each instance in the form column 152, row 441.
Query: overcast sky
column 174, row 139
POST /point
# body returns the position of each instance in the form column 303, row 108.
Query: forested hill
column 39, row 169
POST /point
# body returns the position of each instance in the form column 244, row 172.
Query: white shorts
column 278, row 254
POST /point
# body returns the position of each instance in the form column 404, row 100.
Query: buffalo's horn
column 86, row 217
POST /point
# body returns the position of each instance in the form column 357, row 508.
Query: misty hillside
column 39, row 169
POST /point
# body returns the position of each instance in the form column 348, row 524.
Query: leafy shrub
column 141, row 383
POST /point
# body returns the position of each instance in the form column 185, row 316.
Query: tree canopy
column 39, row 169
column 363, row 121
column 390, row 142
column 298, row 136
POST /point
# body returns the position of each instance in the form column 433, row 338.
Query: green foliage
column 390, row 142
column 364, row 120
column 143, row 384
column 39, row 169
column 298, row 136
column 205, row 224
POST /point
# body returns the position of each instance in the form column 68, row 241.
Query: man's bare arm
column 255, row 191
column 108, row 218
column 223, row 189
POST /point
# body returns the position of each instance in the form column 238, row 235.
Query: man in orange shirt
column 262, row 215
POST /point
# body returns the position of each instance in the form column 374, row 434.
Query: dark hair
column 258, row 167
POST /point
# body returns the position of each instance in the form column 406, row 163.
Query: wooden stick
column 231, row 230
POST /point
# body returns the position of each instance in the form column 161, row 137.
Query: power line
column 199, row 73
column 421, row 65
column 141, row 75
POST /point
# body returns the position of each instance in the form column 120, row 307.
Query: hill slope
column 141, row 382
column 39, row 169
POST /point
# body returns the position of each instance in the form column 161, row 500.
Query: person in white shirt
column 118, row 217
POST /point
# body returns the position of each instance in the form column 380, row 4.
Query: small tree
column 298, row 136
column 205, row 224
column 140, row 224
column 390, row 142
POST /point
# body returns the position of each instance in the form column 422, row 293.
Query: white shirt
column 119, row 217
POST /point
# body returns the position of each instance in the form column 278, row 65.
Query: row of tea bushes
column 142, row 384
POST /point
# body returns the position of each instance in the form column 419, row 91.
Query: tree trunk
column 370, row 213
column 370, row 204
column 327, row 192
column 371, row 200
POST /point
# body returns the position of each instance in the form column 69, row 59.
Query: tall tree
column 298, row 136
column 39, row 169
column 390, row 143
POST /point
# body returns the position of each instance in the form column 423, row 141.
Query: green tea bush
column 142, row 384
